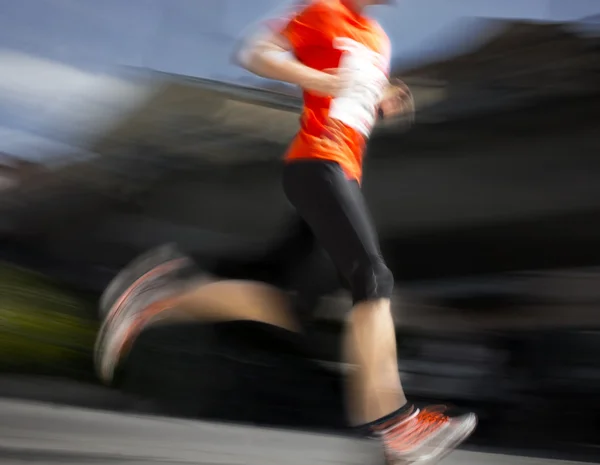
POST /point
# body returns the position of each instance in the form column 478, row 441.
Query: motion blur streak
column 125, row 125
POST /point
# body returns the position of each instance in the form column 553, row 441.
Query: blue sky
column 196, row 37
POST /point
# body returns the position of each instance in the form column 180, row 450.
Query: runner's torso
column 327, row 35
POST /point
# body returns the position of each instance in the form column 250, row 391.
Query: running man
column 340, row 58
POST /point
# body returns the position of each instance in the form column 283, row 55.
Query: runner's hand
column 397, row 100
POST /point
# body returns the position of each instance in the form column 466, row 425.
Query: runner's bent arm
column 272, row 55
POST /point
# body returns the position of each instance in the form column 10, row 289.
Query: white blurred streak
column 36, row 149
column 61, row 101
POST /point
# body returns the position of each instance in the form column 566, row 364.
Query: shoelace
column 161, row 269
column 409, row 433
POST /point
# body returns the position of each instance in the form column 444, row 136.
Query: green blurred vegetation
column 44, row 328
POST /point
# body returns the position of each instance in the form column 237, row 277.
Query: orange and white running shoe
column 136, row 296
column 425, row 436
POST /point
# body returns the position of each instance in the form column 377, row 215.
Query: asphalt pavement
column 41, row 433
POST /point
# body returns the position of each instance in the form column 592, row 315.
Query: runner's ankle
column 376, row 427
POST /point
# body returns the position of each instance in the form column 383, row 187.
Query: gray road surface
column 48, row 434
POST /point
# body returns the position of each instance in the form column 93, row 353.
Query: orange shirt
column 325, row 35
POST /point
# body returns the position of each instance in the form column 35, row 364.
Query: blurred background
column 124, row 125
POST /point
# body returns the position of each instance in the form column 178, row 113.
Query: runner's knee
column 371, row 280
